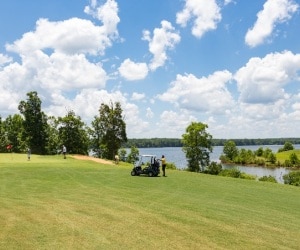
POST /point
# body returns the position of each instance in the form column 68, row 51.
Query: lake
column 176, row 155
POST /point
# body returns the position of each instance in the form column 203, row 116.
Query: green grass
column 285, row 155
column 51, row 203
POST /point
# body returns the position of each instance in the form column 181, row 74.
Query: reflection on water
column 278, row 173
column 177, row 156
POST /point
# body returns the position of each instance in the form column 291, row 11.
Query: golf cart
column 147, row 165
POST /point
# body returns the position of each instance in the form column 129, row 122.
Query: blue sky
column 231, row 64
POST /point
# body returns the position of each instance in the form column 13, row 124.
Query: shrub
column 260, row 162
column 247, row 176
column 268, row 178
column 213, row 168
column 292, row 178
column 287, row 164
column 224, row 159
column 294, row 159
column 233, row 172
column 171, row 165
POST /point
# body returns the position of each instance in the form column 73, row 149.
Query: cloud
column 4, row 59
column 149, row 113
column 72, row 36
column 262, row 79
column 206, row 94
column 226, row 2
column 273, row 13
column 164, row 38
column 133, row 71
column 86, row 103
column 137, row 96
column 107, row 14
column 172, row 123
column 204, row 13
column 58, row 59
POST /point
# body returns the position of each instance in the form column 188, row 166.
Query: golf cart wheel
column 150, row 174
column 133, row 173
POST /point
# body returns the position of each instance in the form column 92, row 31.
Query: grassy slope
column 285, row 155
column 51, row 203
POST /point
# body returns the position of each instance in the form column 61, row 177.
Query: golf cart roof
column 148, row 155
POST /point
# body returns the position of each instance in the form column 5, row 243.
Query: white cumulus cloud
column 204, row 13
column 137, row 96
column 133, row 71
column 164, row 38
column 262, row 80
column 274, row 12
column 208, row 94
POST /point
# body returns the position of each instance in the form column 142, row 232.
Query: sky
column 231, row 64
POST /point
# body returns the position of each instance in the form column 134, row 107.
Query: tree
column 54, row 143
column 294, row 159
column 133, row 156
column 286, row 147
column 122, row 154
column 13, row 126
column 34, row 124
column 3, row 137
column 259, row 152
column 230, row 150
column 272, row 158
column 73, row 134
column 108, row 130
column 197, row 145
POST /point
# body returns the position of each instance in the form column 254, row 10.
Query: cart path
column 90, row 158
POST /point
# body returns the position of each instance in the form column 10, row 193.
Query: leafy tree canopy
column 108, row 130
column 34, row 124
column 197, row 145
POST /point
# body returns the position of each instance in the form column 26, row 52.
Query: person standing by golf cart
column 163, row 164
column 64, row 151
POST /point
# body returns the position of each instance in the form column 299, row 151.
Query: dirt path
column 90, row 158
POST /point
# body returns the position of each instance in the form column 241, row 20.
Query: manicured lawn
column 52, row 203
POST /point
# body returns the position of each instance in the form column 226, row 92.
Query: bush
column 260, row 162
column 292, row 178
column 224, row 159
column 233, row 172
column 213, row 168
column 268, row 178
column 247, row 176
column 294, row 159
column 171, row 165
column 287, row 164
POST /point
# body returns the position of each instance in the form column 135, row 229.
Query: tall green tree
column 108, row 130
column 35, row 123
column 54, row 144
column 73, row 134
column 13, row 126
column 3, row 137
column 230, row 150
column 197, row 145
column 133, row 156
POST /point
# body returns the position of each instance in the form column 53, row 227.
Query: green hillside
column 51, row 203
column 285, row 155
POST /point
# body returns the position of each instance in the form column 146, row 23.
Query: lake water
column 177, row 156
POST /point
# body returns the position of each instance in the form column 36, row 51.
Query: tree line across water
column 176, row 142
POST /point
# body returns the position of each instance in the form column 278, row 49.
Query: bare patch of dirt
column 90, row 158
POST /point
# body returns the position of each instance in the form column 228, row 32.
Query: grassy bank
column 51, row 203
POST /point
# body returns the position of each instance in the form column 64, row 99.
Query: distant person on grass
column 64, row 151
column 28, row 154
column 117, row 159
column 163, row 164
